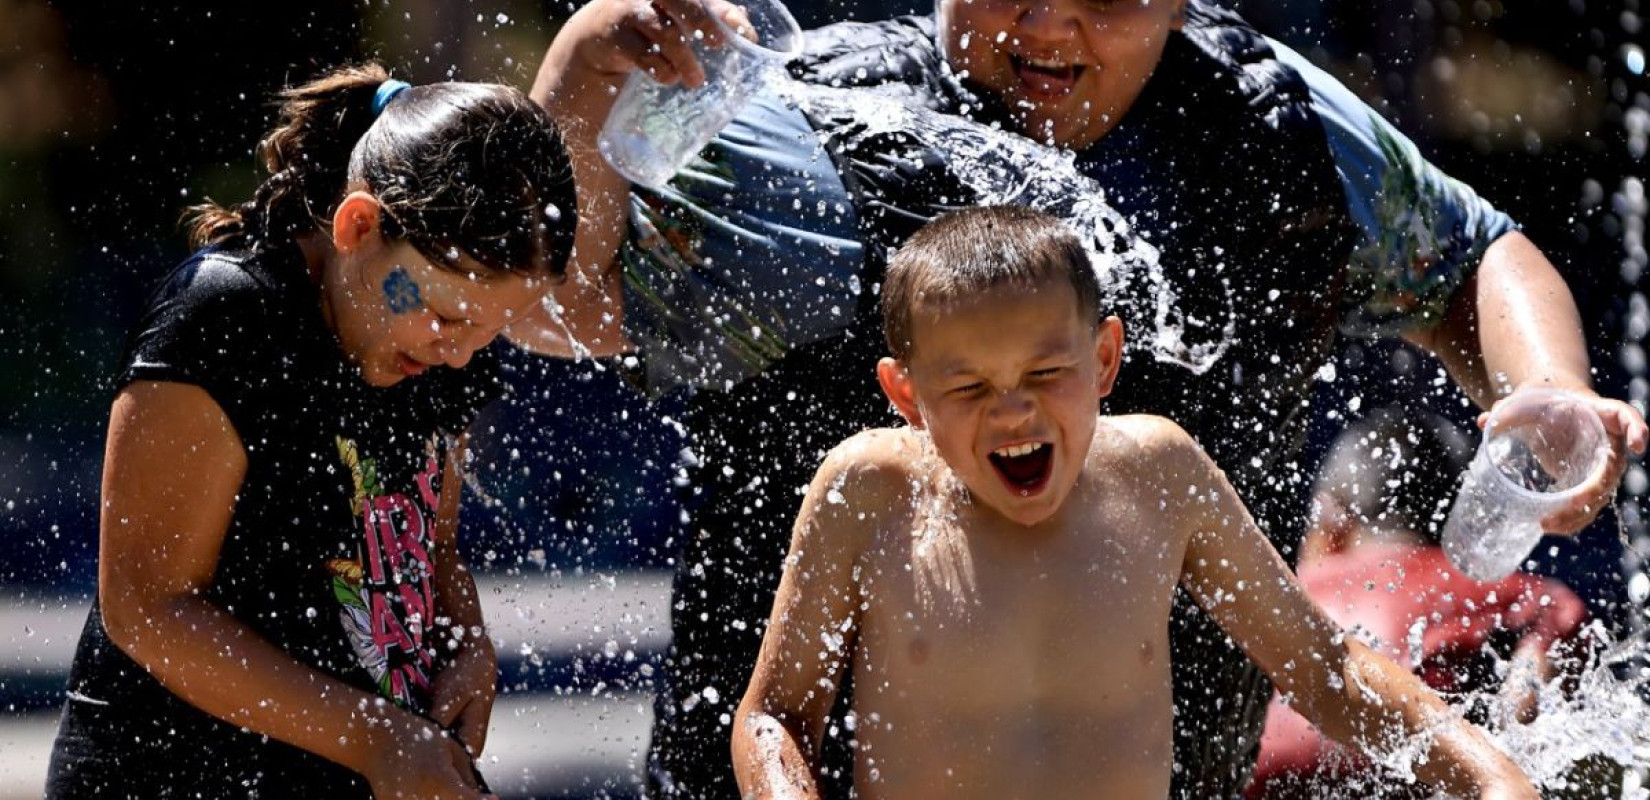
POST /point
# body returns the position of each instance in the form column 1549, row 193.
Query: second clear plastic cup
column 654, row 129
column 1539, row 449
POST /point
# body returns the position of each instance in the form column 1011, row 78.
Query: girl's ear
column 355, row 222
column 896, row 384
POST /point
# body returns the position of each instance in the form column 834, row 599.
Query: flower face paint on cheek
column 401, row 292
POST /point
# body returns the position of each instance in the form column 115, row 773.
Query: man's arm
column 1513, row 325
column 1351, row 692
column 780, row 722
column 587, row 63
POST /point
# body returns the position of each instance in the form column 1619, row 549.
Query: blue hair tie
column 387, row 92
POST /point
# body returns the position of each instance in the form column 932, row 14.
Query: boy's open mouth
column 1024, row 466
column 1046, row 77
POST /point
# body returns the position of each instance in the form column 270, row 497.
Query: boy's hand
column 627, row 35
column 463, row 694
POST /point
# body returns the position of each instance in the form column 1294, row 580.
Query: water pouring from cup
column 1541, row 448
column 654, row 129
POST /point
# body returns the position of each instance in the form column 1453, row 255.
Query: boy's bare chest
column 1076, row 622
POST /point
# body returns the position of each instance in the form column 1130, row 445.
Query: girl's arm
column 173, row 465
column 464, row 691
column 1349, row 691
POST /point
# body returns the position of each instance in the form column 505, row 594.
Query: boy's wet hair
column 1396, row 468
column 459, row 168
column 966, row 253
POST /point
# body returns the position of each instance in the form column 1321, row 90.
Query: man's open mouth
column 1045, row 76
column 1024, row 466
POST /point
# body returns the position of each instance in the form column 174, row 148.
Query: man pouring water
column 1277, row 212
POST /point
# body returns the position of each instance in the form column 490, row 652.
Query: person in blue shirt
column 1247, row 209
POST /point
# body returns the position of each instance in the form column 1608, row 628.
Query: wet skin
column 1008, row 386
column 1070, row 69
column 396, row 314
column 1048, row 674
column 1006, row 613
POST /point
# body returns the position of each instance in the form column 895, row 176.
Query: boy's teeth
column 1015, row 451
column 1045, row 64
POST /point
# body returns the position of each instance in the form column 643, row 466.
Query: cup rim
column 755, row 48
column 1520, row 491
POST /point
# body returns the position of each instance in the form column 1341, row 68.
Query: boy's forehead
column 957, row 336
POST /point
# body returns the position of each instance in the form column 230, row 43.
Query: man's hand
column 1627, row 432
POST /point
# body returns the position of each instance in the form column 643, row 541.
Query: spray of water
column 1004, row 168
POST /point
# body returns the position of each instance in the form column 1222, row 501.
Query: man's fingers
column 694, row 19
column 1624, row 422
column 737, row 20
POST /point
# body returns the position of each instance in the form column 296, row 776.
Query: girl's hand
column 622, row 36
column 463, row 694
column 420, row 762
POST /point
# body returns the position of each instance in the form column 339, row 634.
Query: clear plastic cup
column 654, row 129
column 1540, row 448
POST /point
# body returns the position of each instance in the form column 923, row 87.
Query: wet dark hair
column 1397, row 468
column 458, row 168
column 969, row 252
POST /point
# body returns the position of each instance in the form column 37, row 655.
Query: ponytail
column 470, row 168
column 307, row 156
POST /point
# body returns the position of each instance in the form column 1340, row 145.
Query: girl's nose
column 456, row 347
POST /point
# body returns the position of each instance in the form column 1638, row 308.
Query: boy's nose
column 1012, row 408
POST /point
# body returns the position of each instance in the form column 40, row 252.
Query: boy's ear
column 355, row 221
column 1109, row 351
column 896, row 384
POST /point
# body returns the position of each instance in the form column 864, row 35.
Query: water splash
column 942, row 564
column 1605, row 716
column 1004, row 168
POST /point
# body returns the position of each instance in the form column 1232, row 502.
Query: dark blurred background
column 115, row 116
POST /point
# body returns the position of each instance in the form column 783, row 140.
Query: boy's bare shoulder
column 1146, row 440
column 877, row 463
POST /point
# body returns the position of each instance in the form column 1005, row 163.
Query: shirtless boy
column 999, row 575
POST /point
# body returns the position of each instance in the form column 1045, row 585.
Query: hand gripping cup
column 1540, row 448
column 654, row 129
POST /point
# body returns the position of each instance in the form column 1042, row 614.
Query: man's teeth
column 1015, row 451
column 1053, row 66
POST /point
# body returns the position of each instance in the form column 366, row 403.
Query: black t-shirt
column 327, row 554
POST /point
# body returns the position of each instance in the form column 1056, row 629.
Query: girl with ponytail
column 281, row 609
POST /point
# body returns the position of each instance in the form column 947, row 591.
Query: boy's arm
column 463, row 693
column 1351, row 692
column 172, row 468
column 812, row 632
